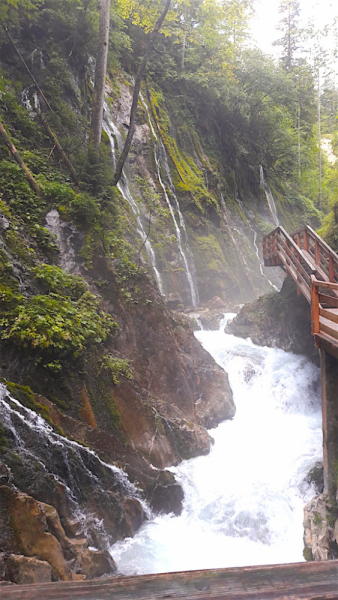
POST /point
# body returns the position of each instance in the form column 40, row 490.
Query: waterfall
column 269, row 196
column 254, row 233
column 179, row 225
column 244, row 501
column 123, row 185
column 52, row 457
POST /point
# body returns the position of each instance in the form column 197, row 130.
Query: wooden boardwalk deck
column 302, row 581
column 314, row 267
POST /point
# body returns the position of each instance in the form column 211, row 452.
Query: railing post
column 331, row 269
column 314, row 306
column 298, row 240
column 316, row 252
column 306, row 240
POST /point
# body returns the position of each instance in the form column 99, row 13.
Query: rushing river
column 244, row 501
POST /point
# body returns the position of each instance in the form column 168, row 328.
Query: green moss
column 115, row 367
column 26, row 397
column 307, row 553
column 189, row 176
column 210, row 252
column 318, row 519
column 3, row 439
column 113, row 410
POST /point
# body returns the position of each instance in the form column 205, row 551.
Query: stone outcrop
column 33, row 529
column 281, row 319
column 317, row 533
column 21, row 569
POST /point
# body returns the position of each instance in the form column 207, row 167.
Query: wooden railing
column 318, row 251
column 314, row 267
column 280, row 249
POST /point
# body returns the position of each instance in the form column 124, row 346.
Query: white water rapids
column 244, row 501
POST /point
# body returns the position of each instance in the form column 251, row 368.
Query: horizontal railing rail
column 314, row 267
column 324, row 257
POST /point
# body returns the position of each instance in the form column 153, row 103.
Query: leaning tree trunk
column 4, row 135
column 138, row 79
column 100, row 75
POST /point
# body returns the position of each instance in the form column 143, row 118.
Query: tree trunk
column 319, row 144
column 19, row 160
column 138, row 79
column 100, row 75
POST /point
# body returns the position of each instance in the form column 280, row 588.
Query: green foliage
column 83, row 210
column 13, row 10
column 190, row 178
column 318, row 519
column 25, row 396
column 18, row 195
column 52, row 323
column 116, row 367
column 58, row 281
column 307, row 553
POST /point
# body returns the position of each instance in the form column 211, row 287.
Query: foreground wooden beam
column 306, row 581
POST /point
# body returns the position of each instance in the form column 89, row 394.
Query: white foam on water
column 244, row 501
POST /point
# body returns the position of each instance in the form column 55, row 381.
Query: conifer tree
column 288, row 25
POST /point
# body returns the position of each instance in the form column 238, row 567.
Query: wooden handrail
column 314, row 267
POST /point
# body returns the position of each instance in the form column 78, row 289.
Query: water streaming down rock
column 82, row 487
column 269, row 196
column 244, row 501
column 115, row 137
column 161, row 159
column 254, row 240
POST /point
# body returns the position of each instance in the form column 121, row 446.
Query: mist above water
column 244, row 501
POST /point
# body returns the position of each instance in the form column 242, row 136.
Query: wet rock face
column 281, row 319
column 34, row 529
column 317, row 534
column 21, row 569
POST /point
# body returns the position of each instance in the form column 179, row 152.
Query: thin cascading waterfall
column 244, row 501
column 115, row 137
column 269, row 196
column 78, row 468
column 179, row 225
column 254, row 233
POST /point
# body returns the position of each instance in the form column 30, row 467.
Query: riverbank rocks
column 21, row 569
column 280, row 319
column 33, row 529
column 318, row 533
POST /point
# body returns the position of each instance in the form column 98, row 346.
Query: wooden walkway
column 303, row 581
column 314, row 267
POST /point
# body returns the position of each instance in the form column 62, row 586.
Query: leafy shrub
column 54, row 323
column 84, row 210
column 58, row 281
column 57, row 193
column 17, row 193
column 116, row 367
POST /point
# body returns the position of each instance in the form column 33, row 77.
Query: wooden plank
column 328, row 327
column 316, row 268
column 314, row 309
column 300, row 581
column 326, row 285
column 286, row 252
column 323, row 244
column 329, row 314
column 309, row 264
column 303, row 287
column 329, row 344
column 324, row 299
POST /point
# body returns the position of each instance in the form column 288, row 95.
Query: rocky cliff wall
column 87, row 340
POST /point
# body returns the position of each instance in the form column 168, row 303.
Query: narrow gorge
column 141, row 431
